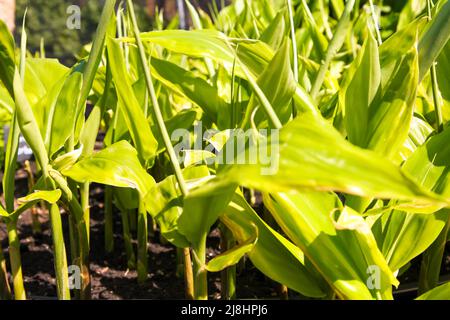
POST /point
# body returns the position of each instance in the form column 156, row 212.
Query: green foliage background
column 47, row 19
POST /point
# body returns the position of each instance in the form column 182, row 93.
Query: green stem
column 109, row 226
column 5, row 290
column 200, row 273
column 36, row 225
column 62, row 279
column 157, row 116
column 142, row 262
column 435, row 86
column 83, row 241
column 375, row 22
column 334, row 46
column 84, row 191
column 131, row 258
column 74, row 250
column 228, row 288
column 15, row 260
column 293, row 39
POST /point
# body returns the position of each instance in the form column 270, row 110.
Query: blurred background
column 46, row 21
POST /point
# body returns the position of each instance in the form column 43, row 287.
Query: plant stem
column 142, row 261
column 15, row 259
column 109, row 232
column 157, row 116
column 62, row 279
column 435, row 86
column 131, row 258
column 36, row 225
column 82, row 243
column 293, row 39
column 334, row 46
column 188, row 274
column 200, row 272
column 5, row 290
column 84, row 191
column 228, row 276
column 375, row 22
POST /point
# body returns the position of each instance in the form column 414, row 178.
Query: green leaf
column 434, row 39
column 440, row 293
column 7, row 58
column 307, row 218
column 390, row 115
column 129, row 105
column 272, row 254
column 117, row 165
column 187, row 84
column 65, row 113
column 30, row 200
column 278, row 84
column 232, row 256
column 201, row 209
column 363, row 83
column 310, row 154
column 48, row 196
column 403, row 236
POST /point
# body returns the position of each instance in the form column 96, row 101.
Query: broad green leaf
column 201, row 209
column 274, row 34
column 390, row 115
column 310, row 154
column 117, row 165
column 440, row 293
column 48, row 196
column 255, row 55
column 363, row 83
column 434, row 39
column 7, row 57
column 187, row 84
column 134, row 116
column 308, row 221
column 232, row 256
column 278, row 84
column 403, row 236
column 273, row 254
column 65, row 113
column 27, row 202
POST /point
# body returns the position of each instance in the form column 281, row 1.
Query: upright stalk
column 5, row 290
column 432, row 258
column 142, row 236
column 62, row 279
column 200, row 272
column 334, row 46
column 9, row 182
column 15, row 259
column 434, row 85
column 228, row 276
column 131, row 258
column 36, row 225
column 200, row 280
column 109, row 225
column 375, row 22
